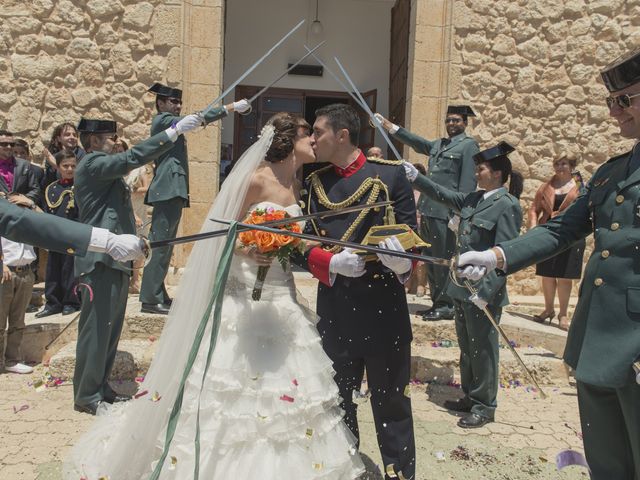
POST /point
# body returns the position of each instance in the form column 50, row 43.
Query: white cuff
column 332, row 278
column 172, row 133
column 98, row 242
column 404, row 277
column 394, row 128
column 504, row 260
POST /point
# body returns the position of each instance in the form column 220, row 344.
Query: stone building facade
column 528, row 67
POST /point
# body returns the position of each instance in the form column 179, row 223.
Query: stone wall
column 530, row 68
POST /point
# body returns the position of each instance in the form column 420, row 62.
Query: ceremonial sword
column 273, row 223
column 285, row 72
column 252, row 67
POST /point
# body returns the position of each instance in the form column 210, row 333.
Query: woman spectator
column 557, row 272
column 418, row 281
column 63, row 138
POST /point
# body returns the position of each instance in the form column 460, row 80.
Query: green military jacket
column 450, row 165
column 171, row 178
column 103, row 197
column 43, row 230
column 604, row 339
column 483, row 223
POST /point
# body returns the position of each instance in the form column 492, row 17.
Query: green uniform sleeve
column 545, row 241
column 109, row 167
column 164, row 120
column 467, row 181
column 416, row 142
column 437, row 193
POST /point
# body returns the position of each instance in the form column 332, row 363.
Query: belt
column 20, row 269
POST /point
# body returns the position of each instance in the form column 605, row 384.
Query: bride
column 238, row 388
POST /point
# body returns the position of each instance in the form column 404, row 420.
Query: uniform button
column 619, row 199
column 605, row 254
column 598, row 281
column 615, row 226
column 70, row 251
column 323, row 233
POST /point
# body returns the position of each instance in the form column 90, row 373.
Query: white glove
column 410, row 171
column 475, row 265
column 124, row 248
column 392, row 127
column 241, row 106
column 477, row 301
column 347, row 263
column 188, row 123
column 454, row 223
column 398, row 265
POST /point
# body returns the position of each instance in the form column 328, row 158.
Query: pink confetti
column 287, row 398
column 75, row 290
column 141, row 394
column 21, row 409
column 295, row 382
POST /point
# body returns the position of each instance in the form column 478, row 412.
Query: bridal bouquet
column 271, row 244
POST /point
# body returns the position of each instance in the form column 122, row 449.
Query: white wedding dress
column 268, row 407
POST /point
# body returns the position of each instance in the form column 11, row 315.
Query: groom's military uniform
column 104, row 200
column 364, row 322
column 168, row 194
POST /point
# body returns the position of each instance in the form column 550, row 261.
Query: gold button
column 615, row 226
column 605, row 254
column 70, row 251
column 598, row 281
column 323, row 233
column 619, row 199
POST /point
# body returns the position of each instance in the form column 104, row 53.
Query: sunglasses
column 7, row 144
column 175, row 101
column 623, row 101
column 453, row 120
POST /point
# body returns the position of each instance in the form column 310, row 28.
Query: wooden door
column 399, row 63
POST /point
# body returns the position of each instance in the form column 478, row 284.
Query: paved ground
column 38, row 425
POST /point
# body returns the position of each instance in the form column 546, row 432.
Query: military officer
column 169, row 192
column 450, row 165
column 482, row 218
column 103, row 199
column 604, row 337
column 65, row 236
column 364, row 318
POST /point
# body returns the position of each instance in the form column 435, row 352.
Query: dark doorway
column 312, row 104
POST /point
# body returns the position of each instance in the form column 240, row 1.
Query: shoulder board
column 382, row 161
column 617, row 157
column 318, row 172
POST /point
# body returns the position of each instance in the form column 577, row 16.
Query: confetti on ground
column 570, row 457
column 140, row 394
column 440, row 456
column 287, row 398
column 20, row 409
column 156, row 397
column 174, row 462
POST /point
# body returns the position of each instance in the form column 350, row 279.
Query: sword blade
column 253, row 67
column 342, row 243
column 285, row 72
column 368, row 110
column 274, row 223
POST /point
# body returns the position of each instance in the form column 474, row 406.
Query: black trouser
column 388, row 379
column 60, row 282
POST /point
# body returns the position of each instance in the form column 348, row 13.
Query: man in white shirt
column 16, row 286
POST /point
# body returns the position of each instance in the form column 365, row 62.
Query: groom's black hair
column 339, row 116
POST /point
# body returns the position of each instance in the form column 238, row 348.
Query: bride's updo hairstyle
column 286, row 126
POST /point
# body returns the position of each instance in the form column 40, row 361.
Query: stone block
column 503, row 45
column 104, row 9
column 205, row 65
column 203, row 179
column 167, row 25
column 67, row 13
column 206, row 27
column 28, row 67
column 428, row 77
column 86, row 97
column 199, row 96
column 124, row 108
column 430, row 44
column 174, row 66
column 203, row 147
column 83, row 48
column 193, row 217
column 121, row 61
column 90, row 73
column 137, row 132
column 106, row 34
column 40, row 8
column 138, row 16
column 21, row 25
column 151, row 68
column 21, row 118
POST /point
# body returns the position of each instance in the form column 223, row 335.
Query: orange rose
column 264, row 241
column 285, row 240
column 247, row 237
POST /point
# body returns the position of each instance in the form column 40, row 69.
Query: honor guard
column 482, row 218
column 604, row 337
column 104, row 200
column 364, row 318
column 450, row 165
column 168, row 193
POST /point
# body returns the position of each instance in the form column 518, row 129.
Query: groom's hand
column 347, row 263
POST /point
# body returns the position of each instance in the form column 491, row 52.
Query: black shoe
column 158, row 308
column 424, row 312
column 168, row 302
column 69, row 309
column 461, row 405
column 32, row 309
column 438, row 314
column 90, row 408
column 113, row 397
column 46, row 312
column 473, row 420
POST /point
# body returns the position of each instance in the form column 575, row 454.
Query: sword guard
column 247, row 112
column 146, row 249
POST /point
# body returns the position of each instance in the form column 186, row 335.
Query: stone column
column 201, row 69
column 428, row 83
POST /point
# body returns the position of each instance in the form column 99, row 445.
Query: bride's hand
column 255, row 256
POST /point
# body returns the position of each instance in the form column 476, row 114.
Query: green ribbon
column 215, row 304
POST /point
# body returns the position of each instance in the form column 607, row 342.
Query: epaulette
column 382, row 161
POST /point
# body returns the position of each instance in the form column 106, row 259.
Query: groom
column 364, row 319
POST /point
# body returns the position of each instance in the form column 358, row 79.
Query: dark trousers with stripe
column 60, row 282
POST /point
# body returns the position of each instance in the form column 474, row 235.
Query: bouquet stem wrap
column 257, row 287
